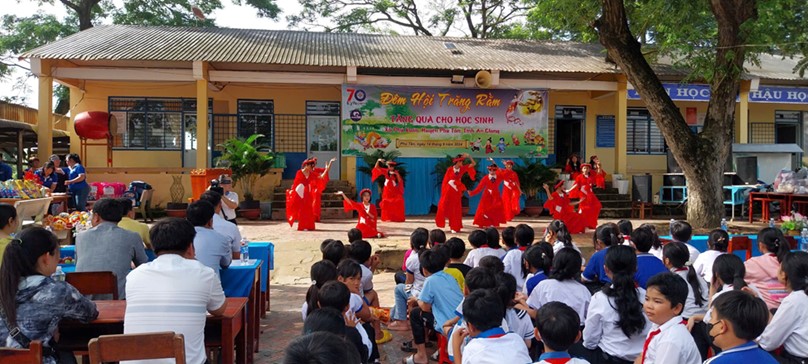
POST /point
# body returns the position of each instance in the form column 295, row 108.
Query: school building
column 167, row 88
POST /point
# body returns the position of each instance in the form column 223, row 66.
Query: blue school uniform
column 746, row 353
column 595, row 267
column 443, row 293
column 532, row 282
column 647, row 266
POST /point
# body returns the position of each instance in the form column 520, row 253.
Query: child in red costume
column 589, row 205
column 318, row 186
column 392, row 203
column 367, row 213
column 511, row 191
column 490, row 211
column 451, row 193
column 573, row 166
column 300, row 199
column 598, row 172
column 558, row 203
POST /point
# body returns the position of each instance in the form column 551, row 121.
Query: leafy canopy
column 248, row 159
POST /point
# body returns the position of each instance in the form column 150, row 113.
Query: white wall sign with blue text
column 764, row 94
column 679, row 92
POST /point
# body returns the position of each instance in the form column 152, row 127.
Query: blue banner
column 679, row 92
column 779, row 95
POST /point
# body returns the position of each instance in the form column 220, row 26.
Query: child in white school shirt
column 558, row 327
column 562, row 286
column 479, row 240
column 668, row 342
column 788, row 326
column 483, row 312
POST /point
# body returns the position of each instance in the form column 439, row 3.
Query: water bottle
column 671, row 226
column 245, row 251
column 58, row 275
column 771, row 223
column 804, row 243
column 724, row 225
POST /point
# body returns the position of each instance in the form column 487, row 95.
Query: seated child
column 321, row 273
column 787, row 327
column 728, row 276
column 350, row 274
column 320, row 348
column 523, row 236
column 648, row 265
column 737, row 320
column 562, row 285
column 656, row 243
column 625, row 227
column 615, row 327
column 536, row 264
column 493, row 241
column 519, row 321
column 558, row 235
column 436, row 237
column 717, row 241
column 334, row 251
column 763, row 271
column 492, row 263
column 605, row 236
column 675, row 256
column 330, row 320
column 490, row 343
column 668, row 342
column 456, row 248
column 354, row 234
column 436, row 302
column 479, row 240
column 558, row 328
column 477, row 279
column 413, row 283
column 681, row 231
column 336, row 295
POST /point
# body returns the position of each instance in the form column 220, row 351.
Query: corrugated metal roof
column 766, row 148
column 119, row 42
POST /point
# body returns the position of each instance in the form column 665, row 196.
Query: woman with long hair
column 589, row 205
column 392, row 203
column 366, row 210
column 616, row 327
column 762, row 270
column 30, row 300
column 451, row 193
column 598, row 173
column 300, row 199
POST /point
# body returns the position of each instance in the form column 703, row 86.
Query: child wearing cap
column 490, row 211
column 367, row 213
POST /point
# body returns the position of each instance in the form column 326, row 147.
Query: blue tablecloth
column 700, row 242
column 67, row 251
column 266, row 252
column 238, row 279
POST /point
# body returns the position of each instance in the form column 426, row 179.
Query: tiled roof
column 137, row 43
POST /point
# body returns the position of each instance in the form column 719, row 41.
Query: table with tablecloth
column 700, row 243
column 266, row 252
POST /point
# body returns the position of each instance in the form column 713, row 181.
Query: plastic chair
column 737, row 243
column 443, row 352
column 161, row 345
column 792, row 242
column 94, row 283
column 32, row 355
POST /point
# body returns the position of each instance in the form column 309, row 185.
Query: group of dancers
column 499, row 203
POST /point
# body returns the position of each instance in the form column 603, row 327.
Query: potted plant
column 532, row 175
column 248, row 160
column 440, row 171
column 370, row 162
column 176, row 208
column 793, row 225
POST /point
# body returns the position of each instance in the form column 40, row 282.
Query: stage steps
column 615, row 205
column 331, row 205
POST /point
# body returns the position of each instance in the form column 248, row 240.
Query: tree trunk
column 701, row 156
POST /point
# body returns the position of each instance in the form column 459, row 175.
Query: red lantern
column 92, row 125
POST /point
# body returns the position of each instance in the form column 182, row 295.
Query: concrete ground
column 296, row 251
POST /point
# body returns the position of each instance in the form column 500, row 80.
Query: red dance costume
column 367, row 218
column 451, row 194
column 560, row 208
column 600, row 178
column 572, row 170
column 490, row 211
column 510, row 193
column 318, row 186
column 300, row 201
column 590, row 205
column 392, row 203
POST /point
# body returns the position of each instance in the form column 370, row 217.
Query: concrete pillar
column 743, row 113
column 202, row 115
column 44, row 129
column 621, row 126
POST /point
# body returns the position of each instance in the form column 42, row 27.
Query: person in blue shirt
column 77, row 182
column 737, row 319
column 605, row 236
column 47, row 176
column 437, row 302
column 647, row 264
column 6, row 173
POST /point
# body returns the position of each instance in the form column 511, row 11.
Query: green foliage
column 370, row 162
column 164, row 12
column 247, row 159
column 446, row 163
column 532, row 175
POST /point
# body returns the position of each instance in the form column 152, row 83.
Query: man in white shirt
column 229, row 198
column 174, row 292
column 212, row 249
column 220, row 225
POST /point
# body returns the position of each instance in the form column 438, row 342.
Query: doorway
column 570, row 132
column 323, row 134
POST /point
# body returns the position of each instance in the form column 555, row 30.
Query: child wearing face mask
column 737, row 319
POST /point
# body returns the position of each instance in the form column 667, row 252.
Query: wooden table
column 60, row 199
column 231, row 277
column 227, row 331
column 765, row 197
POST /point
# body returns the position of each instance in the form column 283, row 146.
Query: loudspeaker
column 673, row 165
column 747, row 169
column 641, row 188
